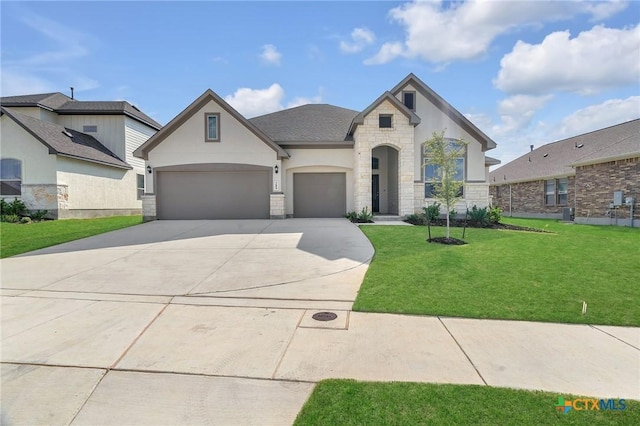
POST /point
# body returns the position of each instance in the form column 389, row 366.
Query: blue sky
column 525, row 72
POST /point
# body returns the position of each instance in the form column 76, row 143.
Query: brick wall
column 527, row 199
column 597, row 182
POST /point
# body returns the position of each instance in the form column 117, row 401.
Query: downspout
column 510, row 213
column 575, row 194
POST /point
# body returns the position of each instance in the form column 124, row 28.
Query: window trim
column 389, row 116
column 138, row 187
column 555, row 195
column 206, row 126
column 19, row 193
column 413, row 92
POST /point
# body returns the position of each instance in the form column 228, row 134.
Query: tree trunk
column 448, row 210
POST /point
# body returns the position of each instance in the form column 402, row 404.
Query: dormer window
column 212, row 127
column 385, row 121
column 409, row 100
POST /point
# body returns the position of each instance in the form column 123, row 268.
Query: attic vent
column 546, row 155
column 580, row 145
column 64, row 132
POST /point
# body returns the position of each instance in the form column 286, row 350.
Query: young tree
column 442, row 153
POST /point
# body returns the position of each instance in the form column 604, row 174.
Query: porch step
column 387, row 218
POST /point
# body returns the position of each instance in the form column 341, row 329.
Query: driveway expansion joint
column 615, row 337
column 463, row 351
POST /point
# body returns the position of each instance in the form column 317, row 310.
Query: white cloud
column 270, row 55
column 360, row 37
column 254, row 102
column 594, row 117
column 19, row 84
column 301, row 100
column 517, row 112
column 440, row 32
column 595, row 59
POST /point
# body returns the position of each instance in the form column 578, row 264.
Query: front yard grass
column 507, row 274
column 347, row 402
column 21, row 238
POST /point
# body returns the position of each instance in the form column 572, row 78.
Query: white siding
column 38, row 166
column 110, row 129
column 94, row 186
column 135, row 134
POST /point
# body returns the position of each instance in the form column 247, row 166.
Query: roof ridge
column 593, row 131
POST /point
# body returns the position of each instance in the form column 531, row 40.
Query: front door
column 375, row 193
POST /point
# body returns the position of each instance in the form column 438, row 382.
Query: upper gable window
column 385, row 121
column 409, row 100
column 212, row 127
column 10, row 176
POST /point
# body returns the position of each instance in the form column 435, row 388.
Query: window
column 375, row 163
column 90, row 129
column 409, row 100
column 10, row 176
column 556, row 192
column 385, row 121
column 550, row 192
column 140, row 185
column 432, row 172
column 563, row 193
column 212, row 127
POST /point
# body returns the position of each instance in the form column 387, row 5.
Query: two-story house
column 73, row 158
column 210, row 162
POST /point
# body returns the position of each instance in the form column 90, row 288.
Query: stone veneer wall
column 527, row 199
column 596, row 184
column 475, row 194
column 368, row 136
column 51, row 197
column 148, row 207
column 277, row 210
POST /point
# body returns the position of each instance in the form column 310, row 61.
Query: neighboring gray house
column 210, row 162
column 73, row 158
column 581, row 173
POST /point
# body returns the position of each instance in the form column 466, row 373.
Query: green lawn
column 507, row 274
column 347, row 402
column 21, row 238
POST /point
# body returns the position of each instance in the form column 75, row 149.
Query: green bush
column 495, row 215
column 25, row 219
column 10, row 218
column 352, row 216
column 416, row 219
column 478, row 216
column 432, row 212
column 365, row 216
column 16, row 207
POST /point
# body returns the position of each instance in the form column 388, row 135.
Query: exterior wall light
column 275, row 169
column 148, row 169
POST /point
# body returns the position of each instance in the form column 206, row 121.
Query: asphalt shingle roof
column 307, row 123
column 555, row 159
column 63, row 104
column 79, row 145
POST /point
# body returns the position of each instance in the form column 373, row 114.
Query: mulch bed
column 445, row 240
column 459, row 223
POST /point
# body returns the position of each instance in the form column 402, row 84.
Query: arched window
column 10, row 176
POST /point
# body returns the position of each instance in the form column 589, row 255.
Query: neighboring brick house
column 581, row 173
column 73, row 158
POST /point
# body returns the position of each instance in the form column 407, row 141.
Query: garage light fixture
column 275, row 169
column 148, row 169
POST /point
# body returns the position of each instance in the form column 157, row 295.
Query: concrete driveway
column 211, row 322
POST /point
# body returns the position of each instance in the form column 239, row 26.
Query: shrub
column 25, row 219
column 432, row 212
column 453, row 214
column 365, row 216
column 16, row 207
column 479, row 216
column 416, row 219
column 38, row 215
column 352, row 216
column 9, row 218
column 495, row 215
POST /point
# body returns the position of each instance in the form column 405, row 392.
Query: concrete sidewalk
column 197, row 323
column 120, row 362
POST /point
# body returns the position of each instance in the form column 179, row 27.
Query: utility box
column 567, row 214
column 617, row 198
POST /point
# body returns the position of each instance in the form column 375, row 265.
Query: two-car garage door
column 228, row 194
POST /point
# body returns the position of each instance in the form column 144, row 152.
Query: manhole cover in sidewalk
column 324, row 316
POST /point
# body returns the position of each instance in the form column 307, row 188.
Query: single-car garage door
column 319, row 194
column 213, row 194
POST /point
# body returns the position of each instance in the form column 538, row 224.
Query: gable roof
column 446, row 108
column 557, row 158
column 64, row 105
column 55, row 137
column 386, row 96
column 307, row 123
column 143, row 150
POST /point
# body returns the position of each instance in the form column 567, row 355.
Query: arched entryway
column 384, row 180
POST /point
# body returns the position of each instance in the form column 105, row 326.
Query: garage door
column 213, row 195
column 319, row 194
